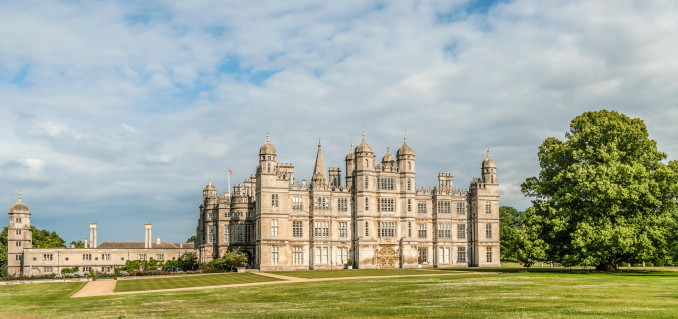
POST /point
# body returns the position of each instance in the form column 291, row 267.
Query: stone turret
column 19, row 236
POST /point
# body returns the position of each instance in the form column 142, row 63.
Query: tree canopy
column 510, row 220
column 603, row 195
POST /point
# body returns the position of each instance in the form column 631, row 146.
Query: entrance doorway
column 386, row 258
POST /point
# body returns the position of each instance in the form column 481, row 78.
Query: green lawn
column 355, row 273
column 504, row 295
column 188, row 281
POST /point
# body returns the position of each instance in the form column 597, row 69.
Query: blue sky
column 119, row 112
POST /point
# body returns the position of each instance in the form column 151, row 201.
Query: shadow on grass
column 559, row 270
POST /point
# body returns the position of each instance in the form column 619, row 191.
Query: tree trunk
column 606, row 266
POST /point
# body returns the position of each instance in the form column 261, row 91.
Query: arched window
column 367, row 163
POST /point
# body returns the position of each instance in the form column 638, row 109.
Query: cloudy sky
column 119, row 112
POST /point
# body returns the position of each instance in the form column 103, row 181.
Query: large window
column 86, row 256
column 321, row 255
column 386, row 229
column 488, row 231
column 421, row 207
column 385, row 183
column 227, row 233
column 444, row 255
column 322, row 229
column 488, row 207
column 322, row 203
column 367, row 184
column 49, row 257
column 297, row 255
column 409, row 184
column 367, row 229
column 461, row 208
column 239, row 233
column 461, row 255
column 274, row 200
column 444, row 207
column 409, row 229
column 274, row 255
column 342, row 204
column 343, row 229
column 367, row 203
column 461, row 231
column 409, row 205
column 444, row 230
column 386, row 204
column 423, row 254
column 105, row 256
column 160, row 256
column 212, row 236
column 142, row 256
column 489, row 254
column 422, row 230
column 274, row 227
column 342, row 255
column 248, row 232
column 297, row 203
column 297, row 229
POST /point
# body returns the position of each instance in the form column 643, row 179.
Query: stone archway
column 386, row 258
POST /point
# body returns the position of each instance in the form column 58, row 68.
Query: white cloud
column 510, row 78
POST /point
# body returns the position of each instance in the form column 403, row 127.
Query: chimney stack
column 157, row 240
column 93, row 235
column 149, row 239
column 86, row 243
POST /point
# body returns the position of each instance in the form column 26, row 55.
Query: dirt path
column 106, row 287
column 99, row 287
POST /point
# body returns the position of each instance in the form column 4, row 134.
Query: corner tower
column 484, row 197
column 19, row 236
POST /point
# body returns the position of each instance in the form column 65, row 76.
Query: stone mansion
column 375, row 216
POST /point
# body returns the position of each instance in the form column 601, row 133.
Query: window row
column 320, row 255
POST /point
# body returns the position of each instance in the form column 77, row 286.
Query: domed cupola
column 363, row 147
column 351, row 155
column 488, row 162
column 19, row 207
column 405, row 149
column 489, row 170
column 210, row 190
column 388, row 158
column 267, row 148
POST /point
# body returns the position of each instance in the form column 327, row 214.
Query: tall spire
column 319, row 171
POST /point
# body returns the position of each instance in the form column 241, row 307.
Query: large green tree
column 603, row 195
column 510, row 220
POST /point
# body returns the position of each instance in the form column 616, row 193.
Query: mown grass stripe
column 144, row 284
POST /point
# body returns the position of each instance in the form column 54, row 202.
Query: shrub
column 229, row 261
column 635, row 265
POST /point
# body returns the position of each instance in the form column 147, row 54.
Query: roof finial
column 388, row 149
column 405, row 141
column 318, row 141
column 210, row 180
column 351, row 144
column 267, row 136
column 363, row 133
column 19, row 193
column 488, row 150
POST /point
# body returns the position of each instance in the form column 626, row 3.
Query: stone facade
column 24, row 260
column 376, row 216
